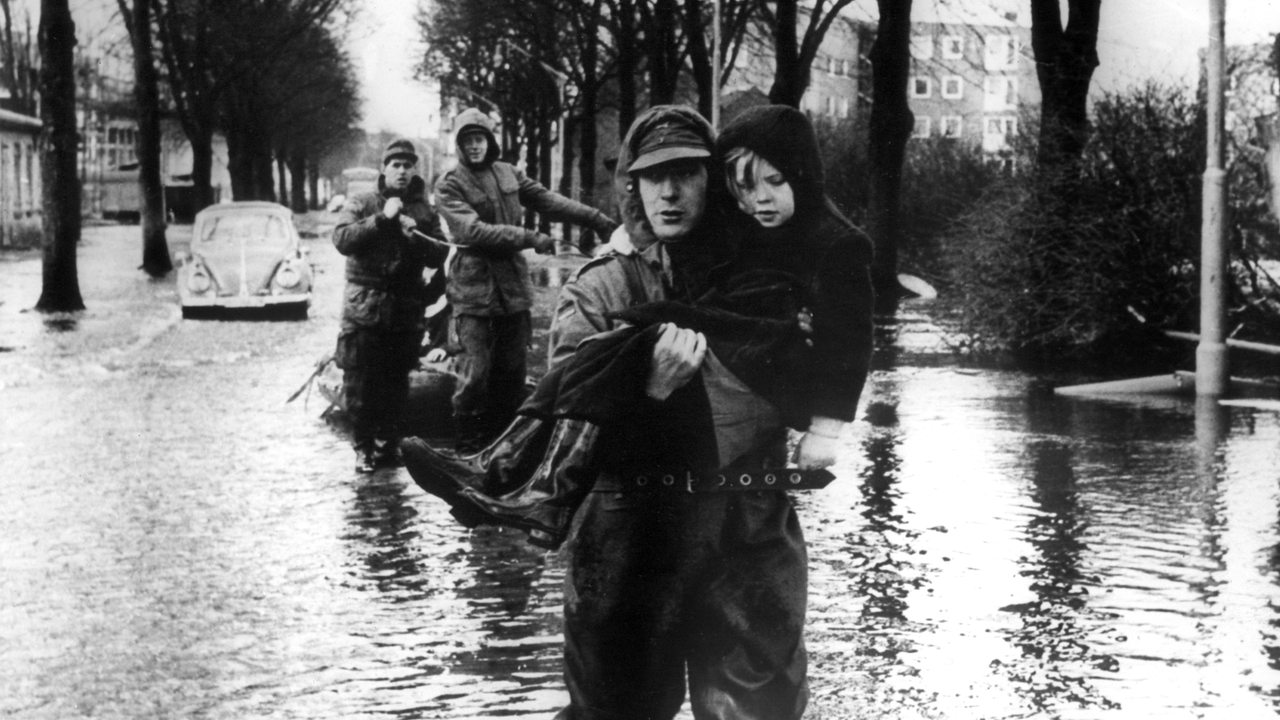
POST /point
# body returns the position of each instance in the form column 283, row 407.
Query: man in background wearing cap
column 483, row 201
column 669, row 587
column 384, row 304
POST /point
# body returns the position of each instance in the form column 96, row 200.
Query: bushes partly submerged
column 1069, row 267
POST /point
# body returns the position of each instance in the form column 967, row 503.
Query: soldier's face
column 474, row 147
column 674, row 195
column 398, row 172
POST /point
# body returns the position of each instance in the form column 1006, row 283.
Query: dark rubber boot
column 470, row 431
column 496, row 469
column 544, row 504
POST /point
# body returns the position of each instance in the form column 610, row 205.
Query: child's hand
column 436, row 355
column 818, row 447
column 816, row 451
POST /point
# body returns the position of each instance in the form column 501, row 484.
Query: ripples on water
column 177, row 542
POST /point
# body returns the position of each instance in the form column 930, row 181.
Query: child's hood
column 782, row 135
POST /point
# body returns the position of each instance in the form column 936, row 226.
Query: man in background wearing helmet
column 483, row 200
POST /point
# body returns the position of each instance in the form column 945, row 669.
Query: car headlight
column 288, row 276
column 199, row 281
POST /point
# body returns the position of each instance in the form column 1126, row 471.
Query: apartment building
column 1252, row 91
column 972, row 79
column 972, row 74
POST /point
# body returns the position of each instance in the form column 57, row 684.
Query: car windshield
column 234, row 228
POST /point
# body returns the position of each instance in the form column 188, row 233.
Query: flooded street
column 178, row 542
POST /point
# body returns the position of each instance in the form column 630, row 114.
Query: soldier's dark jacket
column 385, row 287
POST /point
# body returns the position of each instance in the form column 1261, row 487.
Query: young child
column 790, row 317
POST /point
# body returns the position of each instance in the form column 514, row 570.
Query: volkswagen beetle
column 245, row 255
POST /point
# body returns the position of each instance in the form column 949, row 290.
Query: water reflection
column 382, row 518
column 1053, row 640
column 61, row 322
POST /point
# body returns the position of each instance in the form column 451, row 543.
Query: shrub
column 941, row 179
column 1051, row 268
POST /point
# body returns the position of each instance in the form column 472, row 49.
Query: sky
column 1138, row 39
column 386, row 49
column 1160, row 38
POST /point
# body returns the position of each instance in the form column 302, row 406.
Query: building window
column 953, row 47
column 999, row 93
column 831, row 106
column 952, row 126
column 921, row 87
column 832, row 66
column 844, row 107
column 844, row 68
column 1001, row 126
column 921, row 129
column 17, row 180
column 952, row 87
column 1001, row 52
column 28, row 181
column 996, row 132
column 922, row 47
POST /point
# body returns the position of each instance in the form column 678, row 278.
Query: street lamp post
column 1211, row 353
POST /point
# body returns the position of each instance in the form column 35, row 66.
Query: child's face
column 763, row 193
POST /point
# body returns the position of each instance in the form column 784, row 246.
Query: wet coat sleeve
column 467, row 227
column 432, row 254
column 560, row 208
column 842, row 326
column 602, row 286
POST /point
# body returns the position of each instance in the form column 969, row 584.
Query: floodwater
column 178, row 542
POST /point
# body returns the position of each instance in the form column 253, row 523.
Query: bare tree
column 890, row 128
column 146, row 93
column 188, row 51
column 1065, row 60
column 60, row 290
column 794, row 56
column 18, row 56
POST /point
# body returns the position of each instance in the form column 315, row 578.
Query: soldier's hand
column 407, row 224
column 543, row 244
column 392, row 208
column 677, row 355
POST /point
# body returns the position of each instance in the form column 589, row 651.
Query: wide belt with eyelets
column 687, row 481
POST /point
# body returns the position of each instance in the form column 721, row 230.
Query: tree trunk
column 313, row 183
column 786, row 50
column 566, row 186
column 263, row 176
column 146, row 93
column 664, row 71
column 890, row 128
column 239, row 165
column 1065, row 61
column 699, row 56
column 627, row 61
column 587, row 139
column 60, row 289
column 298, row 181
column 545, row 149
column 282, row 176
column 201, row 170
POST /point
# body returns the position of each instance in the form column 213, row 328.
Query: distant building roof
column 10, row 119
